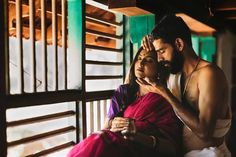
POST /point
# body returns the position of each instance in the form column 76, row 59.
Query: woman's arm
column 108, row 122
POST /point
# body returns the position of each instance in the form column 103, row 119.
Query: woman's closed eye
column 148, row 60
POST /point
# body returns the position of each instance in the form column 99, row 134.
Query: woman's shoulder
column 122, row 88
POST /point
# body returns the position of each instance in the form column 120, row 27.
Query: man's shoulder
column 210, row 69
column 211, row 73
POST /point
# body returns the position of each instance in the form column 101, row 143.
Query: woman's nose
column 142, row 63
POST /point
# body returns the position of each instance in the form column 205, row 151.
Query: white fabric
column 221, row 151
column 173, row 83
column 222, row 127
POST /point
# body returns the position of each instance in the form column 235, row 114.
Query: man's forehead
column 158, row 42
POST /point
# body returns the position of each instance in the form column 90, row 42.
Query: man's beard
column 176, row 65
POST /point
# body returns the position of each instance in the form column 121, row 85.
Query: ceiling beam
column 226, row 5
column 121, row 3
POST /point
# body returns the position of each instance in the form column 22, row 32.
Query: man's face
column 168, row 56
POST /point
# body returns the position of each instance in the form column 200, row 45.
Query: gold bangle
column 154, row 141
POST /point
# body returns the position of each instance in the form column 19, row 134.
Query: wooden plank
column 52, row 150
column 103, row 48
column 100, row 95
column 104, row 21
column 40, row 118
column 103, row 62
column 106, row 35
column 90, row 77
column 33, row 99
column 41, row 136
column 131, row 11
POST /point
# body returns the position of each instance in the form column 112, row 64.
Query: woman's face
column 146, row 65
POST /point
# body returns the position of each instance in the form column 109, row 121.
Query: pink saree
column 152, row 113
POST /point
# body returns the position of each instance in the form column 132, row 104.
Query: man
column 198, row 90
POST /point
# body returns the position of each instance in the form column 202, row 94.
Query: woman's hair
column 132, row 87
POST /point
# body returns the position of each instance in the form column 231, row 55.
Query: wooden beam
column 112, row 4
column 126, row 7
column 94, row 77
column 227, row 5
column 196, row 26
column 131, row 11
column 100, row 95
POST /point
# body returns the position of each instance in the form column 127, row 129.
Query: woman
column 139, row 123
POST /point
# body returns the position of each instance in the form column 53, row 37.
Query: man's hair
column 171, row 27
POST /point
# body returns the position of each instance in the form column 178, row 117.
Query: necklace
column 190, row 75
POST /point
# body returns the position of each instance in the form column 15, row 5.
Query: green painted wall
column 205, row 47
column 75, row 34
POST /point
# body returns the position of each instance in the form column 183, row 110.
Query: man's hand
column 152, row 86
column 147, row 44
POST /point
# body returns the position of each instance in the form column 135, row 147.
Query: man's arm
column 212, row 87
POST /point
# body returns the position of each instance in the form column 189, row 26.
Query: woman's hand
column 146, row 43
column 124, row 125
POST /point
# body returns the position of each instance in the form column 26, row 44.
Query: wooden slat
column 29, row 99
column 91, row 113
column 4, row 73
column 103, row 48
column 54, row 41
column 101, row 95
column 106, row 35
column 95, row 18
column 103, row 62
column 19, row 45
column 44, row 45
column 89, row 77
column 64, row 38
column 32, row 43
column 105, row 109
column 41, row 118
column 98, row 118
column 41, row 136
column 52, row 150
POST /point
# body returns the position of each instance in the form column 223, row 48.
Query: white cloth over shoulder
column 222, row 127
column 173, row 83
column 221, row 151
